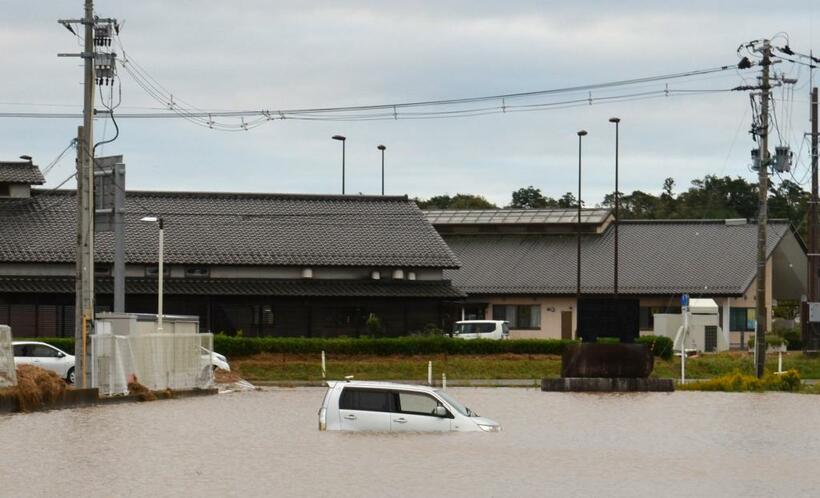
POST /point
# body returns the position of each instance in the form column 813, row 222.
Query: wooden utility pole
column 762, row 214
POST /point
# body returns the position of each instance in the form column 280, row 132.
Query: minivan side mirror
column 440, row 411
column 60, row 354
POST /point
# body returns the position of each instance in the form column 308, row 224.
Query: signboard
column 814, row 312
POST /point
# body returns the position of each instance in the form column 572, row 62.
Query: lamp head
column 614, row 120
column 149, row 219
column 381, row 147
column 339, row 137
column 582, row 133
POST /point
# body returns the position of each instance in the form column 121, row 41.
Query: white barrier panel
column 158, row 361
column 8, row 373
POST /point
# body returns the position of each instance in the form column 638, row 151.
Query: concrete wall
column 551, row 308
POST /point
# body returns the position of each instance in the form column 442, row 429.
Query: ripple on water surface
column 267, row 443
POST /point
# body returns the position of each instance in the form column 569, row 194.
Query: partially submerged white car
column 389, row 407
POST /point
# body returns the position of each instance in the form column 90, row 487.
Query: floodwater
column 267, row 444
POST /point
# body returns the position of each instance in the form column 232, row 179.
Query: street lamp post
column 581, row 134
column 382, row 148
column 158, row 220
column 342, row 139
column 617, row 219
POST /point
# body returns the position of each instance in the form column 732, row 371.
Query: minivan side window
column 20, row 350
column 417, row 403
column 369, row 400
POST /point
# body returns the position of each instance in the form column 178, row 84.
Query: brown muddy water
column 267, row 444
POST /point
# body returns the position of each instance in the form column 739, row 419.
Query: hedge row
column 402, row 346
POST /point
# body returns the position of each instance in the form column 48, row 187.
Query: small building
column 262, row 264
column 520, row 265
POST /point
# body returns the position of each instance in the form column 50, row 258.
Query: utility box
column 705, row 333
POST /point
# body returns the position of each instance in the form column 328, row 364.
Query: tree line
column 710, row 197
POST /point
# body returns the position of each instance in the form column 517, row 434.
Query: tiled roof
column 234, row 229
column 700, row 258
column 20, row 172
column 244, row 287
column 514, row 216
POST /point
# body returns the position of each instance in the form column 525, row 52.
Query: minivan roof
column 482, row 321
column 381, row 385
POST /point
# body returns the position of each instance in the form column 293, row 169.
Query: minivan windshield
column 455, row 404
column 475, row 328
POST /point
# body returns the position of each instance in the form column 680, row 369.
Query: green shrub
column 404, row 346
column 788, row 381
column 659, row 345
column 793, row 338
column 374, row 325
column 64, row 343
column 771, row 341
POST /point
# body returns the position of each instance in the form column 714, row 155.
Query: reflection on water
column 267, row 443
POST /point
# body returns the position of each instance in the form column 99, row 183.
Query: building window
column 5, row 190
column 197, row 271
column 102, row 270
column 742, row 319
column 153, row 271
column 474, row 311
column 520, row 316
column 646, row 315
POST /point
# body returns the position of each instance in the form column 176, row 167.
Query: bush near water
column 234, row 346
column 788, row 381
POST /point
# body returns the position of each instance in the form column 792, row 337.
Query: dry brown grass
column 37, row 387
column 137, row 389
column 225, row 377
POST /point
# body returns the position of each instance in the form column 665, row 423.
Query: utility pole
column 96, row 32
column 809, row 335
column 762, row 215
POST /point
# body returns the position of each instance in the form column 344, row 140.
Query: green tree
column 531, row 198
column 458, row 201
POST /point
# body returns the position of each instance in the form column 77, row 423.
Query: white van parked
column 482, row 329
column 388, row 407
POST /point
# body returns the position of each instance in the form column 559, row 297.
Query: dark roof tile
column 234, row 229
column 20, row 172
column 655, row 258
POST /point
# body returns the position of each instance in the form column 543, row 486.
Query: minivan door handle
column 400, row 420
column 350, row 417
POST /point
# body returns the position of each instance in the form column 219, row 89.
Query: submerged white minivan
column 389, row 407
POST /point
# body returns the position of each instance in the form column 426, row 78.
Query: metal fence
column 8, row 373
column 157, row 361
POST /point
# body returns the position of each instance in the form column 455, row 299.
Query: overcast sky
column 271, row 55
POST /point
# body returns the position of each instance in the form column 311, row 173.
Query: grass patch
column 289, row 368
column 788, row 381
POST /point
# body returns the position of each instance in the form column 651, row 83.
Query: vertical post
column 581, row 134
column 118, row 174
column 324, row 366
column 615, row 223
column 429, row 373
column 685, row 311
column 762, row 215
column 443, row 381
column 161, row 274
column 382, row 148
column 809, row 339
column 343, row 166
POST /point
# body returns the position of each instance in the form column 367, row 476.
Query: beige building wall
column 551, row 308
